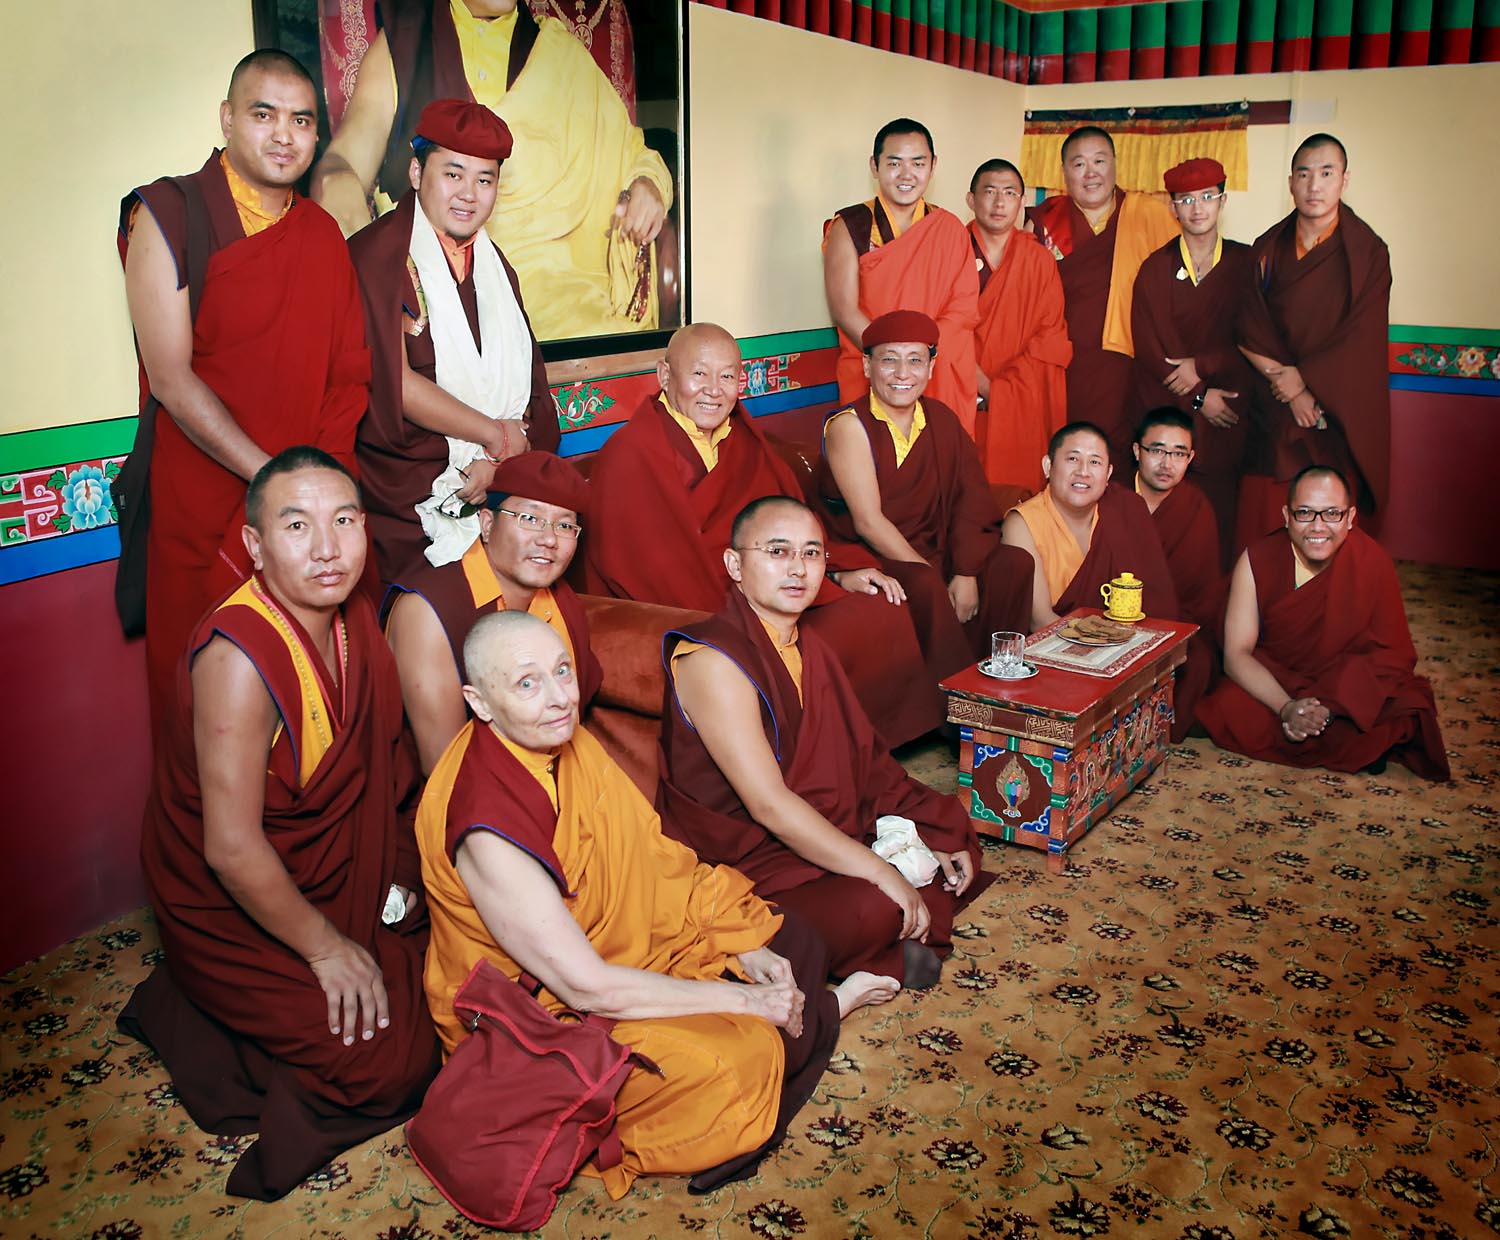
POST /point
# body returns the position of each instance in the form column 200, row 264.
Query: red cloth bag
column 523, row 1102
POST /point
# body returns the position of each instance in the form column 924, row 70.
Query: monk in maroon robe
column 900, row 475
column 666, row 488
column 1084, row 531
column 770, row 765
column 274, row 356
column 285, row 1007
column 1314, row 325
column 1319, row 663
column 1184, row 320
column 1100, row 235
column 403, row 441
column 528, row 533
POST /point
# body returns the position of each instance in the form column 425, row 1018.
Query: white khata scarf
column 494, row 378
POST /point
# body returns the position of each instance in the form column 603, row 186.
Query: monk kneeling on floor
column 271, row 842
column 539, row 854
column 770, row 765
column 1319, row 661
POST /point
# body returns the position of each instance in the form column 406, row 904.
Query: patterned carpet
column 1262, row 1003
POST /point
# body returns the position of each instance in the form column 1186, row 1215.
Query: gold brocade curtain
column 1148, row 141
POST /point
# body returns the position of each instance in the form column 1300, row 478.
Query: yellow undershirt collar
column 705, row 443
column 903, row 443
column 1187, row 258
column 253, row 217
column 540, row 766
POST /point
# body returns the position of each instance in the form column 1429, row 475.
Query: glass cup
column 1008, row 654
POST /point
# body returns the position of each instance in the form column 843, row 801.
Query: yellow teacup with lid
column 1122, row 598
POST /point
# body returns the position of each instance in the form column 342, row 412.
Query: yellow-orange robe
column 645, row 902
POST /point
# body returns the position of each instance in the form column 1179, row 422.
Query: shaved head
column 688, row 341
column 700, row 374
column 273, row 61
column 521, row 680
column 492, row 636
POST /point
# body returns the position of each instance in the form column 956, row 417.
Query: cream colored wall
column 780, row 133
column 1421, row 169
column 96, row 102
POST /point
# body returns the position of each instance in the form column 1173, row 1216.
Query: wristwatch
column 1198, row 402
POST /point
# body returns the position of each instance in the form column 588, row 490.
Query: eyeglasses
column 534, row 524
column 1188, row 200
column 1306, row 516
column 1172, row 454
column 1008, row 194
column 785, row 551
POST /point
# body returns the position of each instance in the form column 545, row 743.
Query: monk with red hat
column 900, row 475
column 899, row 251
column 529, row 527
column 666, row 488
column 1183, row 317
column 459, row 384
column 250, row 337
column 1314, row 325
column 1100, row 235
column 1022, row 336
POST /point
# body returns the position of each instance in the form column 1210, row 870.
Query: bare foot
column 864, row 990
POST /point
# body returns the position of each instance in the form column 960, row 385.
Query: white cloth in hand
column 897, row 841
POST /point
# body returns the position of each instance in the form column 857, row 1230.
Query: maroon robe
column 447, row 592
column 658, row 528
column 940, row 501
column 1125, row 539
column 1328, row 314
column 399, row 460
column 829, row 756
column 279, row 336
column 1098, row 378
column 238, row 1017
column 1185, row 524
column 1341, row 638
column 1177, row 318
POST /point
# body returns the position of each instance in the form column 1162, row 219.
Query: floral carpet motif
column 1261, row 1003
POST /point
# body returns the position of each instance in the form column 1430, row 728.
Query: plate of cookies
column 1096, row 631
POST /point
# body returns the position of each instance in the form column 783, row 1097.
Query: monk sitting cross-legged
column 901, row 476
column 1084, row 531
column 1319, row 663
column 540, row 855
column 666, row 488
column 271, row 843
column 770, row 765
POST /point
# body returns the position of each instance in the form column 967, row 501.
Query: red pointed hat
column 468, row 128
column 901, row 327
column 1193, row 174
column 540, row 476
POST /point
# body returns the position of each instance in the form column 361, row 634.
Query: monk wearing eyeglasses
column 1319, row 660
column 529, row 527
column 1187, row 297
column 769, row 764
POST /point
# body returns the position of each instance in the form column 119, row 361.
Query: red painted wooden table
column 1046, row 758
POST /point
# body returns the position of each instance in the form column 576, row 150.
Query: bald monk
column 770, row 765
column 1100, row 235
column 666, row 489
column 900, row 475
column 529, row 529
column 1187, row 301
column 459, row 383
column 1314, row 326
column 1083, row 531
column 1318, row 659
column 285, row 1006
column 899, row 252
column 1022, row 336
column 540, row 855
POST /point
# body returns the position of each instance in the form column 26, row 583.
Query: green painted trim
column 1455, row 15
column 1080, row 31
column 1414, row 16
column 1185, row 23
column 1373, row 17
column 1114, row 30
column 1221, row 21
column 1150, row 26
column 1487, row 13
column 1259, row 21
column 1406, row 333
column 62, row 445
column 790, row 342
column 1294, row 19
column 1046, row 34
column 1333, row 18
